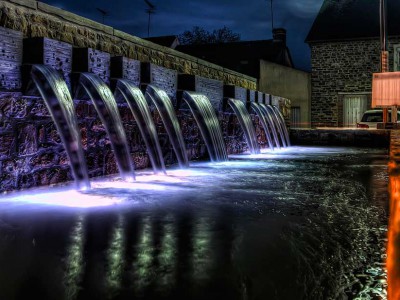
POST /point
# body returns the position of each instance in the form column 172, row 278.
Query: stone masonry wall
column 37, row 19
column 32, row 154
column 339, row 68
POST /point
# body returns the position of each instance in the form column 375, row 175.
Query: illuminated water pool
column 300, row 223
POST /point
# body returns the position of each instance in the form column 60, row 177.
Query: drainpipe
column 385, row 55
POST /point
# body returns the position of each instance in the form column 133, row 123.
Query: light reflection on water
column 306, row 224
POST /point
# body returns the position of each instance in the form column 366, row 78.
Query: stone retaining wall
column 330, row 137
column 31, row 152
column 37, row 19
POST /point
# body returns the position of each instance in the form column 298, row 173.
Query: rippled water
column 303, row 223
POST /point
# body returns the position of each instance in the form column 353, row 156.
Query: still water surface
column 304, row 223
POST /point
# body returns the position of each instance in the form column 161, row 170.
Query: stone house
column 345, row 51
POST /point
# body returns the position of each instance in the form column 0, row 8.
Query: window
column 396, row 59
column 295, row 117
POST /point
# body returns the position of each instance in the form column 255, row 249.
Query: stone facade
column 340, row 68
column 31, row 152
column 36, row 19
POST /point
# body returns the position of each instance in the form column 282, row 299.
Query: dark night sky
column 250, row 18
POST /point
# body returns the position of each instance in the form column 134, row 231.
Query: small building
column 267, row 60
column 244, row 56
column 345, row 51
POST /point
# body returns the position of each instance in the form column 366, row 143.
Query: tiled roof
column 353, row 19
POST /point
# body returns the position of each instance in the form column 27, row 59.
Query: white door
column 353, row 108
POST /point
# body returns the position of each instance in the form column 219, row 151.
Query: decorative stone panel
column 127, row 68
column 92, row 61
column 45, row 51
column 211, row 88
column 251, row 95
column 163, row 78
column 10, row 59
column 235, row 92
column 259, row 97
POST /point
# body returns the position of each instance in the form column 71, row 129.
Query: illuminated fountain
column 137, row 103
column 206, row 119
column 55, row 93
column 163, row 104
column 272, row 124
column 245, row 122
column 266, row 124
column 280, row 123
column 107, row 108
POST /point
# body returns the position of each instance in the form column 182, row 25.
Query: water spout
column 277, row 123
column 55, row 93
column 282, row 122
column 164, row 107
column 106, row 106
column 141, row 112
column 247, row 125
column 269, row 116
column 264, row 123
column 207, row 121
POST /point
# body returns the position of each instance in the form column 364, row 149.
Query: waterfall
column 263, row 119
column 106, row 106
column 141, row 112
column 55, row 93
column 164, row 107
column 207, row 121
column 281, row 127
column 247, row 125
column 277, row 123
column 270, row 117
column 282, row 122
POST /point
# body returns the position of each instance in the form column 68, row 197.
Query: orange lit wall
column 393, row 247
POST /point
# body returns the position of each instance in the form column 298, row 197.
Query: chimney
column 279, row 35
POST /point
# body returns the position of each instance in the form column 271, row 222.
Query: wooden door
column 353, row 108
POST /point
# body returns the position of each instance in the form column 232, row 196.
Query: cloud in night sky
column 250, row 18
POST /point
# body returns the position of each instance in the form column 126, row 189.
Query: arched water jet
column 278, row 124
column 164, row 107
column 55, row 93
column 247, row 125
column 282, row 122
column 141, row 112
column 207, row 121
column 264, row 123
column 106, row 106
column 272, row 123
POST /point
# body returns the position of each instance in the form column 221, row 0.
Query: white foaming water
column 241, row 172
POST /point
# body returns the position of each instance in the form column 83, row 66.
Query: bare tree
column 198, row 35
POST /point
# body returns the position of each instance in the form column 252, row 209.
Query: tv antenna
column 151, row 9
column 103, row 12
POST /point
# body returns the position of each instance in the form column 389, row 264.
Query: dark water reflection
column 304, row 225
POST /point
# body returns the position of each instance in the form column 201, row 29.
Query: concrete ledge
column 32, row 18
column 27, row 3
column 341, row 137
column 66, row 15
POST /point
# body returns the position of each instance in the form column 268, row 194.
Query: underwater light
column 68, row 198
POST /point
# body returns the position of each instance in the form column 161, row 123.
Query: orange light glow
column 393, row 246
column 385, row 89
